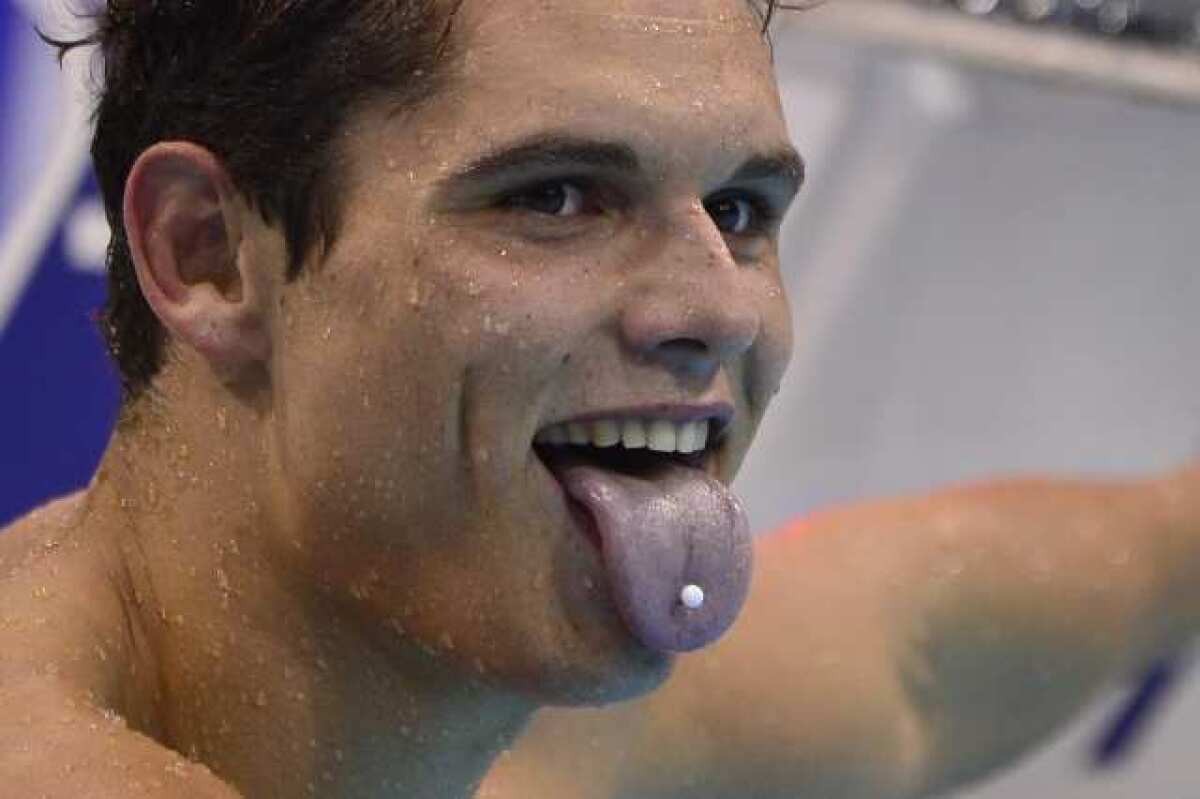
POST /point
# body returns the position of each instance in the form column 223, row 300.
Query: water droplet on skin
column 829, row 659
column 260, row 699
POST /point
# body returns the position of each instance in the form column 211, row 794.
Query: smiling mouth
column 634, row 446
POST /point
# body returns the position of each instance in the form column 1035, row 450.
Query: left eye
column 559, row 198
column 732, row 214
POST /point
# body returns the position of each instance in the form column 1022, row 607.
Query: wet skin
column 327, row 527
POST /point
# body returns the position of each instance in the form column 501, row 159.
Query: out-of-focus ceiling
column 1173, row 23
column 1147, row 48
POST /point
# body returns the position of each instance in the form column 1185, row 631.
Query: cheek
column 780, row 322
column 364, row 386
column 509, row 312
column 773, row 351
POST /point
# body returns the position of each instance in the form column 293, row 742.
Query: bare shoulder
column 72, row 718
column 59, row 615
column 58, row 745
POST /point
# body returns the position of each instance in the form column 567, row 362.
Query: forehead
column 634, row 68
column 734, row 17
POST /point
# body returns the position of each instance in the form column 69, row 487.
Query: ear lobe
column 183, row 222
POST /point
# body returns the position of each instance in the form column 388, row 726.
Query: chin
column 634, row 672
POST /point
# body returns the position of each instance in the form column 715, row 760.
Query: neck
column 273, row 682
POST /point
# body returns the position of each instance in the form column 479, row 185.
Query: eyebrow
column 546, row 152
column 556, row 151
column 784, row 164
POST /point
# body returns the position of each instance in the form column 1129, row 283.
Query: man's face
column 583, row 222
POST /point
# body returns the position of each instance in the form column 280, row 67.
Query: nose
column 693, row 307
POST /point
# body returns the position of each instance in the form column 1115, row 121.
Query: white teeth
column 693, row 436
column 605, row 433
column 633, row 434
column 578, row 433
column 686, row 435
column 660, row 435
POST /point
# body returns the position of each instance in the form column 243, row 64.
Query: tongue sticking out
column 663, row 532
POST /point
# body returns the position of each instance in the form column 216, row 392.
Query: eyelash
column 765, row 215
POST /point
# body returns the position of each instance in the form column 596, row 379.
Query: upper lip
column 719, row 414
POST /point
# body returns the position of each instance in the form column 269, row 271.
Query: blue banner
column 58, row 393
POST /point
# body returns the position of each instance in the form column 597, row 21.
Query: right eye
column 558, row 198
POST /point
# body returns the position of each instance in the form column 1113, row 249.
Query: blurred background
column 994, row 268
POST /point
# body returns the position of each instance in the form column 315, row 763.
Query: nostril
column 687, row 356
column 686, row 346
column 692, row 336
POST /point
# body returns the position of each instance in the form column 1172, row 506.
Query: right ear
column 184, row 222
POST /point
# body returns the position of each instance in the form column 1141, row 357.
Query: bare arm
column 900, row 648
